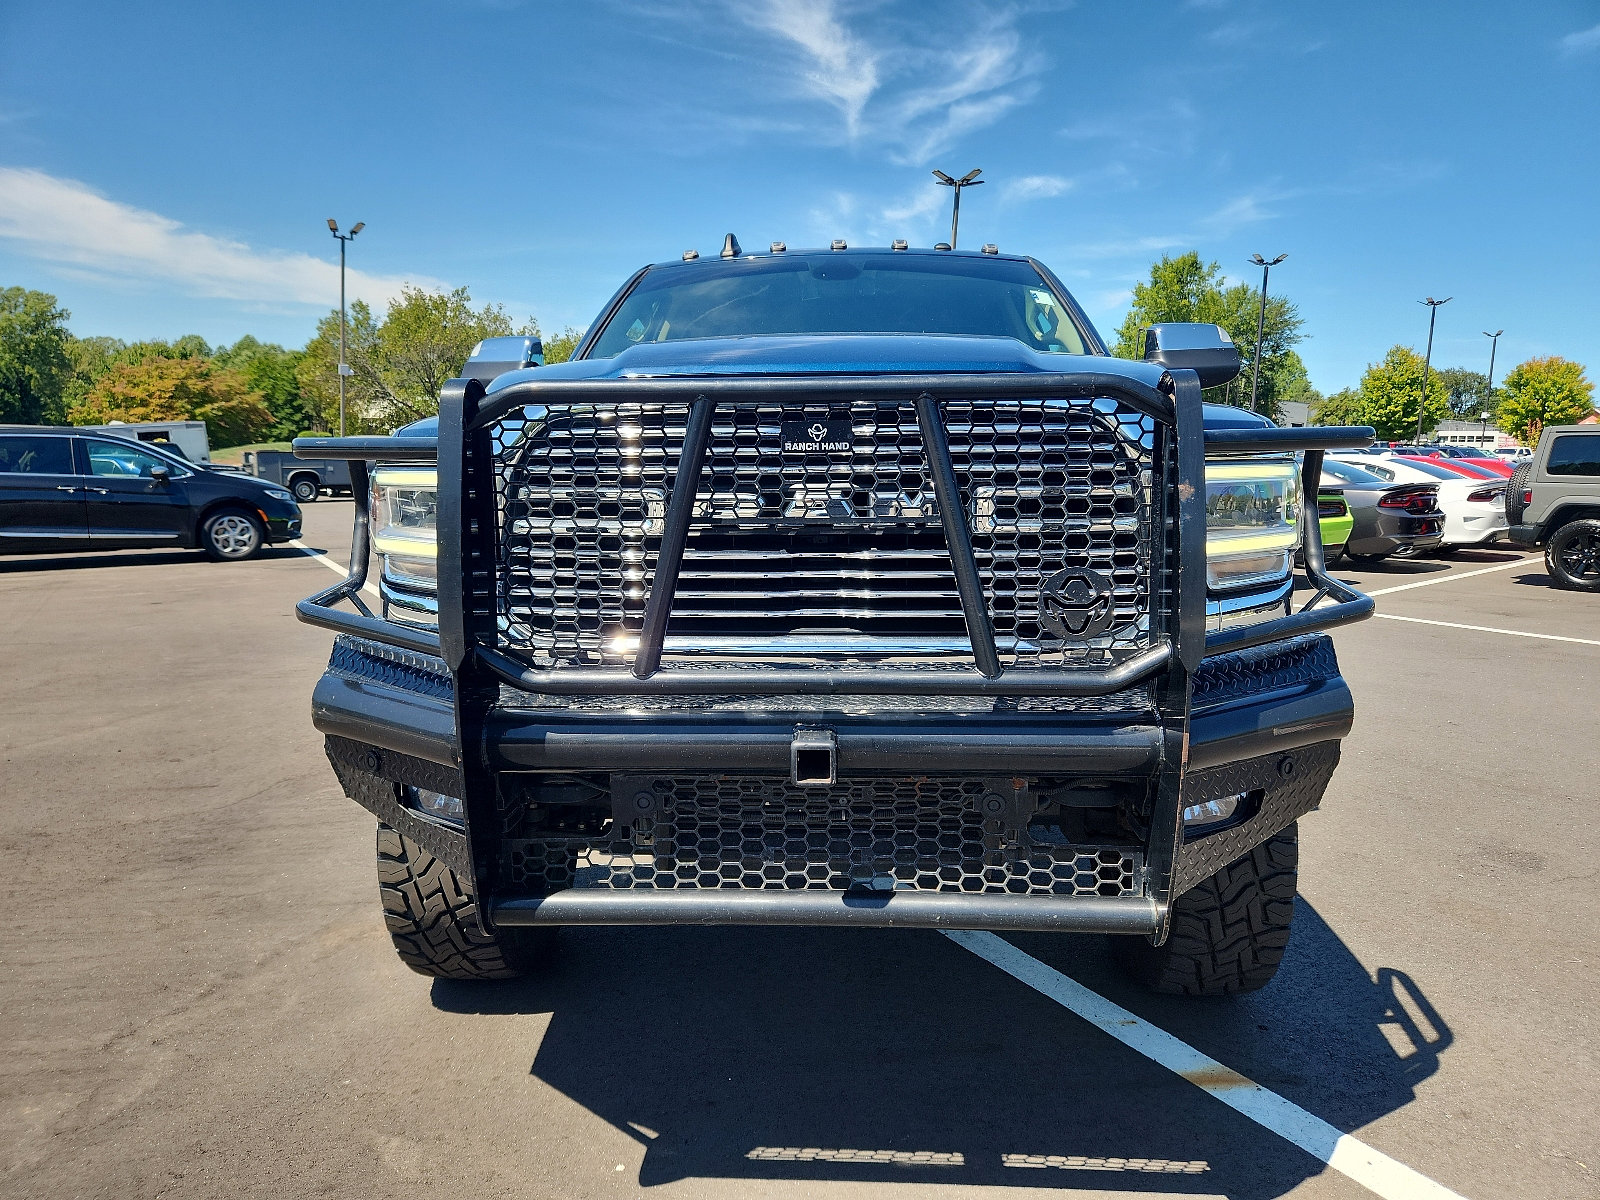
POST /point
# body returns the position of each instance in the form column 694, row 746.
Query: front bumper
column 282, row 517
column 1266, row 726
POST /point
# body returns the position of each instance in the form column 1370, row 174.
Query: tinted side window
column 1575, row 454
column 107, row 459
column 36, row 455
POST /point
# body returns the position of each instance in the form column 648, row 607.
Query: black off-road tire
column 1515, row 486
column 433, row 920
column 1229, row 931
column 1572, row 556
column 305, row 490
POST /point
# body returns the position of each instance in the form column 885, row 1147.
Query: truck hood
column 831, row 354
column 844, row 354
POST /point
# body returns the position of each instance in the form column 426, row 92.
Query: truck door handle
column 63, row 487
column 101, row 491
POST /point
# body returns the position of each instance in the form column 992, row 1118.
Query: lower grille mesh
column 709, row 832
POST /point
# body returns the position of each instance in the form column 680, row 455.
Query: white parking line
column 341, row 571
column 1406, row 587
column 1547, row 637
column 1351, row 1157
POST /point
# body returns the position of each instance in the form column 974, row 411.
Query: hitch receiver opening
column 813, row 758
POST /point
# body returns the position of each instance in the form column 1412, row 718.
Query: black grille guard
column 466, row 639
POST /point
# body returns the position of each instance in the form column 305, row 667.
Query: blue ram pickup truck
column 854, row 587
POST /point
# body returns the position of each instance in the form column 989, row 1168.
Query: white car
column 1474, row 509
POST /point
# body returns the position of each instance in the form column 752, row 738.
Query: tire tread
column 1229, row 932
column 432, row 919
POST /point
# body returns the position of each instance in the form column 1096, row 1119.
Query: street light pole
column 970, row 179
column 1261, row 321
column 1427, row 361
column 344, row 369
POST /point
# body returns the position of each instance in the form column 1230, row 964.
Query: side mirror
column 1207, row 350
column 493, row 357
column 161, row 474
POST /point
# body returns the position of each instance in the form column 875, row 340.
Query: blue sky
column 168, row 168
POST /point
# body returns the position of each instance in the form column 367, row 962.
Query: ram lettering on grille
column 831, row 551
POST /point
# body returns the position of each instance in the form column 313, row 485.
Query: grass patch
column 233, row 456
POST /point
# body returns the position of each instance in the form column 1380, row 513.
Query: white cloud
column 878, row 77
column 1582, row 41
column 844, row 69
column 67, row 222
column 1035, row 187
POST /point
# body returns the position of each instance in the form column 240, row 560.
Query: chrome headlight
column 405, row 521
column 1252, row 522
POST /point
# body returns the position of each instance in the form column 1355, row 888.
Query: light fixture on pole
column 1483, row 429
column 344, row 367
column 1494, row 344
column 970, row 179
column 1427, row 361
column 1266, row 266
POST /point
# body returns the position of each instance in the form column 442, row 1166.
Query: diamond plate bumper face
column 1279, row 789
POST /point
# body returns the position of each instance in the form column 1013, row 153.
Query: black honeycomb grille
column 820, row 554
column 748, row 833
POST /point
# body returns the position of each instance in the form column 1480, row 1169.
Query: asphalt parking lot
column 199, row 999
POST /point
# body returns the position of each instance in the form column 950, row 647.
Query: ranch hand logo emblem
column 818, row 437
column 1075, row 604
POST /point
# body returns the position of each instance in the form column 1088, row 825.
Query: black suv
column 68, row 489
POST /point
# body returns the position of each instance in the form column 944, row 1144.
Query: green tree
column 1344, row 407
column 271, row 371
column 400, row 364
column 1290, row 382
column 1468, row 390
column 178, row 389
column 1392, row 390
column 1544, row 391
column 91, row 358
column 558, row 349
column 34, row 363
column 1186, row 289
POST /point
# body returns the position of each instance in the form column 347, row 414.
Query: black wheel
column 1229, row 931
column 1515, row 486
column 1572, row 556
column 433, row 920
column 305, row 490
column 232, row 535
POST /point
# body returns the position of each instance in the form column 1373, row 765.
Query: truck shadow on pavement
column 867, row 1056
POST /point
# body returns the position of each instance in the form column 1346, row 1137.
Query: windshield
column 843, row 293
column 1347, row 473
column 1427, row 468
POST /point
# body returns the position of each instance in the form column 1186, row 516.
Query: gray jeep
column 1554, row 502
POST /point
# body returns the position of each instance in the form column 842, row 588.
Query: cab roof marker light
column 690, row 255
column 990, row 248
column 778, row 247
column 839, row 244
column 899, row 244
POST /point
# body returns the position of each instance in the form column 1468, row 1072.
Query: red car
column 1460, row 459
column 1469, row 468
